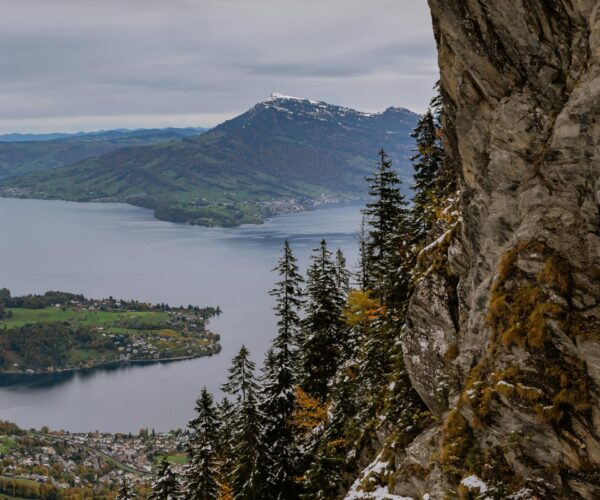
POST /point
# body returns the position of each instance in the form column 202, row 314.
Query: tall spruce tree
column 342, row 275
column 363, row 252
column 435, row 178
column 427, row 163
column 201, row 473
column 399, row 262
column 331, row 460
column 322, row 333
column 278, row 382
column 277, row 406
column 246, row 479
column 241, row 379
column 342, row 279
column 289, row 299
column 226, row 412
column 389, row 263
column 384, row 216
column 165, row 486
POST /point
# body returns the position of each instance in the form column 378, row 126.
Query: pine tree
column 342, row 275
column 165, row 486
column 385, row 215
column 331, row 460
column 446, row 178
column 278, row 381
column 125, row 492
column 427, row 162
column 363, row 249
column 289, row 299
column 342, row 280
column 321, row 344
column 246, row 479
column 277, row 405
column 226, row 412
column 241, row 378
column 435, row 179
column 323, row 480
column 200, row 477
column 389, row 265
column 399, row 263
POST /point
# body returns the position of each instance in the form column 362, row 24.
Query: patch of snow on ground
column 522, row 494
column 380, row 493
column 504, row 383
column 473, row 482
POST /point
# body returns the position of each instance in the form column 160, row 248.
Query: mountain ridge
column 31, row 154
column 282, row 149
column 52, row 136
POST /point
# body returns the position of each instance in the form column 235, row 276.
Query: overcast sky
column 69, row 65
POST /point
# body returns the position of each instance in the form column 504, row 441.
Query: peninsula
column 60, row 331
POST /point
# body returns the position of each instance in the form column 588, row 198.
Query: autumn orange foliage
column 309, row 412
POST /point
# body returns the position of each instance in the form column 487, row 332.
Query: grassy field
column 81, row 338
column 178, row 458
column 107, row 320
column 6, row 444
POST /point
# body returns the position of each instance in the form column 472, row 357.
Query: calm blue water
column 119, row 250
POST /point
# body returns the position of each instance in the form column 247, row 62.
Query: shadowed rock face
column 518, row 399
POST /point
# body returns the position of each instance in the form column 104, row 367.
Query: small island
column 59, row 331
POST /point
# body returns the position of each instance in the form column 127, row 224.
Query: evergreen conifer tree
column 125, row 492
column 278, row 383
column 226, row 412
column 435, row 179
column 342, row 275
column 277, row 405
column 363, row 252
column 289, row 299
column 427, row 163
column 384, row 215
column 246, row 479
column 241, row 379
column 330, row 462
column 165, row 486
column 200, row 477
column 389, row 252
column 322, row 328
column 342, row 278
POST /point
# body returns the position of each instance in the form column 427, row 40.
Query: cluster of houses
column 67, row 460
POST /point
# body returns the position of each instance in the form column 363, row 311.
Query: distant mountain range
column 283, row 153
column 101, row 134
column 24, row 153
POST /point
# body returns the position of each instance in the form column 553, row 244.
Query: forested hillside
column 24, row 153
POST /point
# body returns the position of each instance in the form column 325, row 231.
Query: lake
column 114, row 249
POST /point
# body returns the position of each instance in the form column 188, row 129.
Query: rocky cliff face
column 503, row 341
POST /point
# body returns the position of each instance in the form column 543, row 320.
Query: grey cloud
column 205, row 59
